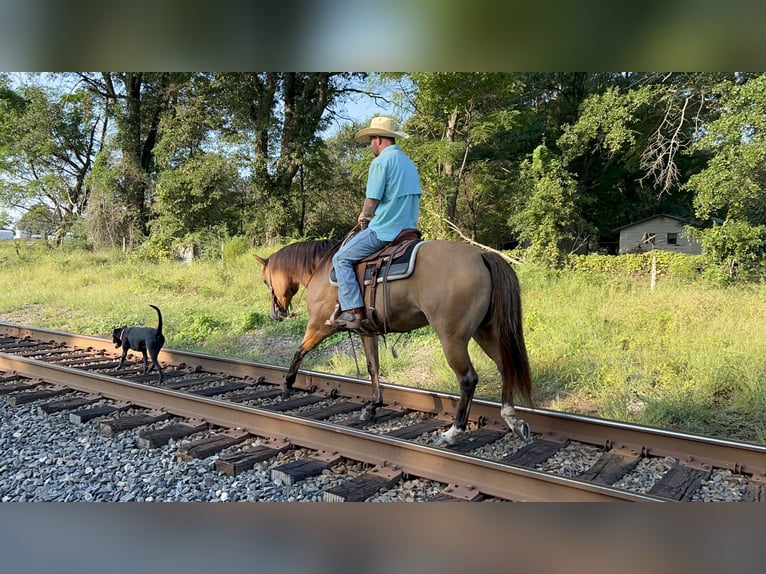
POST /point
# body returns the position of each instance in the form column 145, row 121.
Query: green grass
column 687, row 355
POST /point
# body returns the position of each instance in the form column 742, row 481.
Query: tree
column 549, row 219
column 461, row 126
column 137, row 101
column 281, row 115
column 38, row 220
column 49, row 143
column 732, row 184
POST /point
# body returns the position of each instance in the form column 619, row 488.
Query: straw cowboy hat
column 379, row 126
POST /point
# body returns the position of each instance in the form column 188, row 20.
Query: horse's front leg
column 314, row 335
column 370, row 344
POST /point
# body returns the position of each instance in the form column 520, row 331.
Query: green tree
column 37, row 220
column 549, row 222
column 281, row 116
column 732, row 184
column 48, row 144
column 136, row 100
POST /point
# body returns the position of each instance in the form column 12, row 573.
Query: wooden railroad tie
column 238, row 462
column 304, row 468
column 365, row 485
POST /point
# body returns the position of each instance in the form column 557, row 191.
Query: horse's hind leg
column 489, row 344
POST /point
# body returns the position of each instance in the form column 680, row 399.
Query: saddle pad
column 401, row 266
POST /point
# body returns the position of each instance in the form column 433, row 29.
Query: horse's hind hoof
column 522, row 430
column 366, row 415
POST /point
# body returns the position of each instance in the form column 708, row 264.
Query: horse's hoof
column 441, row 440
column 447, row 437
column 522, row 430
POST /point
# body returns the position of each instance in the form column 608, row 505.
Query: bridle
column 274, row 300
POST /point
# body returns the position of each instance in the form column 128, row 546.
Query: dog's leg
column 122, row 359
column 146, row 363
column 153, row 355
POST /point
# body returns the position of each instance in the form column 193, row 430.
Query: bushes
column 679, row 266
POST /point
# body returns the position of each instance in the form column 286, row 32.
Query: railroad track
column 232, row 412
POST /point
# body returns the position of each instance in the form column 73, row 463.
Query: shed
column 663, row 232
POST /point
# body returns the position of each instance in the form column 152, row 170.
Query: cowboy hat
column 379, row 126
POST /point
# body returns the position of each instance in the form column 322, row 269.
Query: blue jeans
column 354, row 250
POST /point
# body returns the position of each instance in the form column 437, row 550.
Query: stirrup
column 331, row 321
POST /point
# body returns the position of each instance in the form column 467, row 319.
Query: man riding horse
column 392, row 204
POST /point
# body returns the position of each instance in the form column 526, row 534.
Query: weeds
column 687, row 355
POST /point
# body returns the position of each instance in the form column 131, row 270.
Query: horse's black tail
column 505, row 314
column 159, row 315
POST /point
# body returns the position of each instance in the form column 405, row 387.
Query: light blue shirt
column 394, row 181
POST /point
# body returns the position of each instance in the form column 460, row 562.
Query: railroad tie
column 536, row 452
column 161, row 436
column 293, row 404
column 339, row 408
column 255, row 395
column 478, row 438
column 298, row 470
column 109, row 428
column 681, row 480
column 364, row 486
column 458, row 493
column 85, row 415
column 12, row 387
column 381, row 416
column 211, row 445
column 613, row 465
column 219, row 390
column 414, row 431
column 24, row 397
column 66, row 405
column 238, row 462
column 756, row 488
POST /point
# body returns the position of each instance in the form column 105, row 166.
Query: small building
column 663, row 232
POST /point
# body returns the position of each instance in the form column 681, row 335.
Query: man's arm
column 368, row 211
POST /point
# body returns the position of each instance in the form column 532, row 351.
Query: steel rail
column 737, row 456
column 494, row 479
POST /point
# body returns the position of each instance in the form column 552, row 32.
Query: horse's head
column 282, row 289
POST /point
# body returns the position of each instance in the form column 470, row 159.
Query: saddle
column 395, row 261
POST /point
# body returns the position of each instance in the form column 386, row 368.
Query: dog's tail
column 159, row 325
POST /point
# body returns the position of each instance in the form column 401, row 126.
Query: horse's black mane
column 303, row 255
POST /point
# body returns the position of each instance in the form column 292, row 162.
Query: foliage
column 48, row 145
column 167, row 156
column 732, row 183
column 548, row 216
column 731, row 186
column 688, row 355
column 734, row 250
column 668, row 265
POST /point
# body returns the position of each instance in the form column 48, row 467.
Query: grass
column 687, row 355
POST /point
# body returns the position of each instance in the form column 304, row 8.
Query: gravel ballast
column 49, row 458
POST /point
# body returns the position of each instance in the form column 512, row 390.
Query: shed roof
column 679, row 219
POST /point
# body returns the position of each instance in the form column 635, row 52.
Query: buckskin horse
column 461, row 291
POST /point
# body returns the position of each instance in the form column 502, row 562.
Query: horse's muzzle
column 278, row 315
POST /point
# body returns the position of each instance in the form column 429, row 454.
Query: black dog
column 141, row 339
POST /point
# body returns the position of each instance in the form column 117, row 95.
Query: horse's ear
column 261, row 260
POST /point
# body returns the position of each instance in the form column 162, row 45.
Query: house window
column 672, row 238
